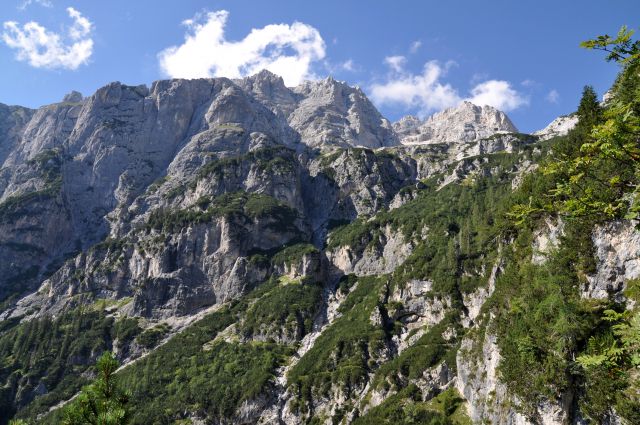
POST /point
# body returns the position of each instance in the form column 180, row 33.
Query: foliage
column 53, row 352
column 241, row 205
column 540, row 319
column 408, row 407
column 270, row 160
column 152, row 336
column 620, row 49
column 551, row 339
column 196, row 371
column 611, row 362
column 293, row 254
column 426, row 352
column 347, row 351
column 285, row 312
column 597, row 169
column 102, row 402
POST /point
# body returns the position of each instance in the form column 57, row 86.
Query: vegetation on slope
column 43, row 360
column 553, row 341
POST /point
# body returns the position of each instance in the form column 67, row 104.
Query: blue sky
column 408, row 56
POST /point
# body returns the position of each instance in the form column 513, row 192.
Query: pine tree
column 103, row 402
column 589, row 111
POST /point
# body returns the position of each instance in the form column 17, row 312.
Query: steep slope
column 259, row 254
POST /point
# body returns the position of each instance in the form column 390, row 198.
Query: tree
column 103, row 402
column 596, row 169
column 589, row 110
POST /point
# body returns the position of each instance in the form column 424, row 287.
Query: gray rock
column 462, row 124
column 73, row 97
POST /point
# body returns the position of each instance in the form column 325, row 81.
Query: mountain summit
column 464, row 123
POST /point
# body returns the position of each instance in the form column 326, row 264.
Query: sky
column 409, row 57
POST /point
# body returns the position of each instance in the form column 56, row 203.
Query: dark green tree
column 589, row 110
column 103, row 402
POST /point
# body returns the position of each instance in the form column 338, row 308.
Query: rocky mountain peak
column 332, row 113
column 269, row 89
column 466, row 122
column 73, row 97
column 558, row 127
column 408, row 124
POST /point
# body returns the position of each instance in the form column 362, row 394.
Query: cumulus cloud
column 286, row 50
column 498, row 94
column 42, row 48
column 415, row 46
column 427, row 92
column 423, row 91
column 553, row 96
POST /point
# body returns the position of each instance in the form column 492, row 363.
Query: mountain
column 558, row 127
column 464, row 123
column 254, row 253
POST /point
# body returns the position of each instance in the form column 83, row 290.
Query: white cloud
column 498, row 94
column 27, row 3
column 426, row 92
column 396, row 62
column 81, row 26
column 42, row 48
column 286, row 50
column 348, row 65
column 415, row 46
column 553, row 96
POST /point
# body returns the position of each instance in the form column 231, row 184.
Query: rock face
column 488, row 400
column 617, row 248
column 332, row 113
column 374, row 257
column 558, row 127
column 93, row 158
column 462, row 124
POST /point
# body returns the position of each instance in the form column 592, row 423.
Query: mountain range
column 254, row 253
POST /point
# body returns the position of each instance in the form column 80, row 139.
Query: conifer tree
column 103, row 402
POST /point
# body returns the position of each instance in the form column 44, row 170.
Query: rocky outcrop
column 546, row 239
column 380, row 255
column 617, row 248
column 488, row 400
column 462, row 124
column 331, row 113
column 558, row 127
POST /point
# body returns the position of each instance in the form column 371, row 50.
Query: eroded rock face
column 333, row 114
column 558, row 127
column 110, row 147
column 462, row 124
column 617, row 248
column 546, row 239
column 377, row 257
column 487, row 398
